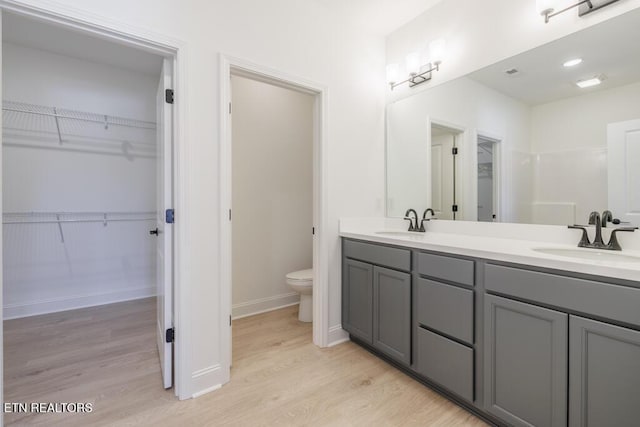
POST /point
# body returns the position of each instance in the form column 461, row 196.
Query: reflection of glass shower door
column 485, row 181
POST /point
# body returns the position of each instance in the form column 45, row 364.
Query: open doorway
column 311, row 99
column 87, row 193
column 488, row 179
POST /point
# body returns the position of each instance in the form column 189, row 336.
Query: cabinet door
column 525, row 365
column 357, row 299
column 604, row 376
column 392, row 313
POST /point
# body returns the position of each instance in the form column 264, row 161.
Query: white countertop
column 489, row 241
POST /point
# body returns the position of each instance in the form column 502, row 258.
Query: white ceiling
column 381, row 16
column 30, row 33
column 609, row 48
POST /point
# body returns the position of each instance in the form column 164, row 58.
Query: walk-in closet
column 80, row 208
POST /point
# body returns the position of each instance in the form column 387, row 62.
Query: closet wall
column 98, row 168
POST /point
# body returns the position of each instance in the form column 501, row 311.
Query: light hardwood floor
column 106, row 355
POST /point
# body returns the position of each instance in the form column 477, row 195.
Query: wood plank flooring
column 107, row 355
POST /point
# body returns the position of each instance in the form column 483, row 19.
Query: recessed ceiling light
column 572, row 62
column 588, row 83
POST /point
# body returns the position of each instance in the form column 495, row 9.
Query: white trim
column 54, row 305
column 109, row 29
column 337, row 335
column 206, row 390
column 320, row 190
column 264, row 305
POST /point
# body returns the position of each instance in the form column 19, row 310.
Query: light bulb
column 393, row 73
column 437, row 51
column 413, row 63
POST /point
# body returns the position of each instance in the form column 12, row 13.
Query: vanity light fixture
column 418, row 72
column 582, row 84
column 572, row 62
column 546, row 7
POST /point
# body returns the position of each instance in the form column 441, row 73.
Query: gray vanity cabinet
column 515, row 344
column 392, row 313
column 376, row 297
column 357, row 299
column 604, row 376
column 525, row 369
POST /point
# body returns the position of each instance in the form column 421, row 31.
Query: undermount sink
column 399, row 233
column 589, row 254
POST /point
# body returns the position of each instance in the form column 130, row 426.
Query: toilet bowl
column 302, row 282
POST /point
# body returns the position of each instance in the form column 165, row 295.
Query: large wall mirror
column 532, row 146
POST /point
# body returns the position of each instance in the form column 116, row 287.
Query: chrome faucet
column 594, row 219
column 424, row 218
column 598, row 243
column 413, row 226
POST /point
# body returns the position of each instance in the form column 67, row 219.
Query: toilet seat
column 301, row 276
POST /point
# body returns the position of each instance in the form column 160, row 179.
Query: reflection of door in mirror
column 487, row 179
column 624, row 170
column 443, row 171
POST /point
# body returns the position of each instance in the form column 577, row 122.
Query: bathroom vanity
column 531, row 342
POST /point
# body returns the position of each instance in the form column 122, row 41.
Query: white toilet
column 302, row 282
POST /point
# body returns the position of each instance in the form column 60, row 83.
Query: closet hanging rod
column 58, row 221
column 84, row 213
column 141, row 123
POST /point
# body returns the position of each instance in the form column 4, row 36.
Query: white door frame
column 460, row 141
column 175, row 50
column 228, row 66
column 497, row 141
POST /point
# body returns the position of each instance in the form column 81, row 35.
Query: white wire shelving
column 60, row 218
column 39, row 126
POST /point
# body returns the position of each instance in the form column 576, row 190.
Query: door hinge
column 229, row 108
column 170, row 335
column 229, row 320
column 454, row 208
column 313, row 231
column 454, row 150
column 168, row 96
column 229, row 214
column 169, row 216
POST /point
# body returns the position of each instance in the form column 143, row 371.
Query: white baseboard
column 72, row 302
column 203, row 378
column 337, row 335
column 263, row 305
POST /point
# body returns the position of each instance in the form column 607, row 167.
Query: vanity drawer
column 606, row 300
column 397, row 258
column 445, row 362
column 445, row 308
column 446, row 268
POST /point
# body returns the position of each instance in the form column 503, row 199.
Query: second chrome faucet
column 600, row 222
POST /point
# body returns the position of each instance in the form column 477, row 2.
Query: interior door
column 164, row 230
column 442, row 175
column 623, row 139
